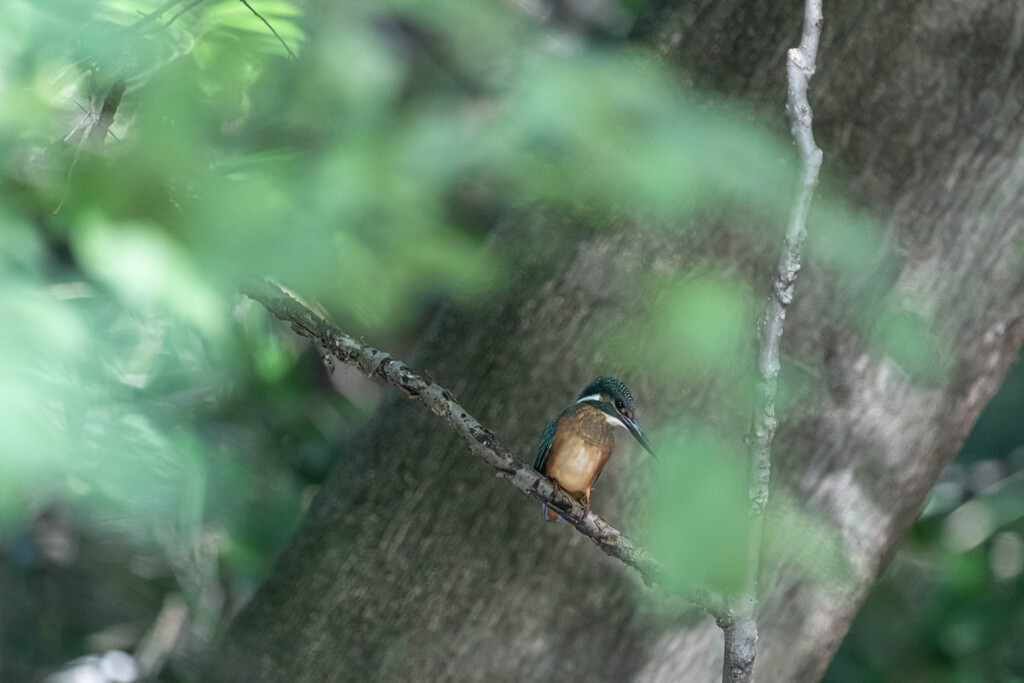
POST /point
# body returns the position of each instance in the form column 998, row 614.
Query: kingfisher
column 577, row 444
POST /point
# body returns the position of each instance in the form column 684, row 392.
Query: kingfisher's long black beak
column 638, row 434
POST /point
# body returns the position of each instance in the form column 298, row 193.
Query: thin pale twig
column 741, row 627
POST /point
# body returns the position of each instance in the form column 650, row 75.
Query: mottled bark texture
column 416, row 563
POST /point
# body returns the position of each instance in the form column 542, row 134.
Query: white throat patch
column 614, row 421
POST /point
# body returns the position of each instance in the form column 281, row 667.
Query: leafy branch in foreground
column 482, row 442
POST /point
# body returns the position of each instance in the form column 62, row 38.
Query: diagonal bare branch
column 482, row 443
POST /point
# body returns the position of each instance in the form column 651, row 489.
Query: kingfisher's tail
column 549, row 515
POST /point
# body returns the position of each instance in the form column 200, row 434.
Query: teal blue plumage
column 542, row 457
column 545, row 444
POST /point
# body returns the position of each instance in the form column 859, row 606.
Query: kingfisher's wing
column 545, row 445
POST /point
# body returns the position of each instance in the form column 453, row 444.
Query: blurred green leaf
column 699, row 327
column 839, row 234
column 800, row 540
column 698, row 513
column 612, row 133
column 143, row 267
column 908, row 339
column 704, row 324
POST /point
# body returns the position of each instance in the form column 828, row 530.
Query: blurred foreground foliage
column 159, row 439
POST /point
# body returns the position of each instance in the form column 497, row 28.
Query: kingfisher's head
column 614, row 399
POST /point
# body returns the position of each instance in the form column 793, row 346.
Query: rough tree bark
column 415, row 563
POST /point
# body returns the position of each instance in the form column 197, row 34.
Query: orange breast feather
column 580, row 449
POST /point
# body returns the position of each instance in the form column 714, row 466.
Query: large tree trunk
column 416, row 563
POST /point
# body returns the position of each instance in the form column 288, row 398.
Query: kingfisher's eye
column 619, row 405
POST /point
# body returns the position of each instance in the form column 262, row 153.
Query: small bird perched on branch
column 577, row 444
